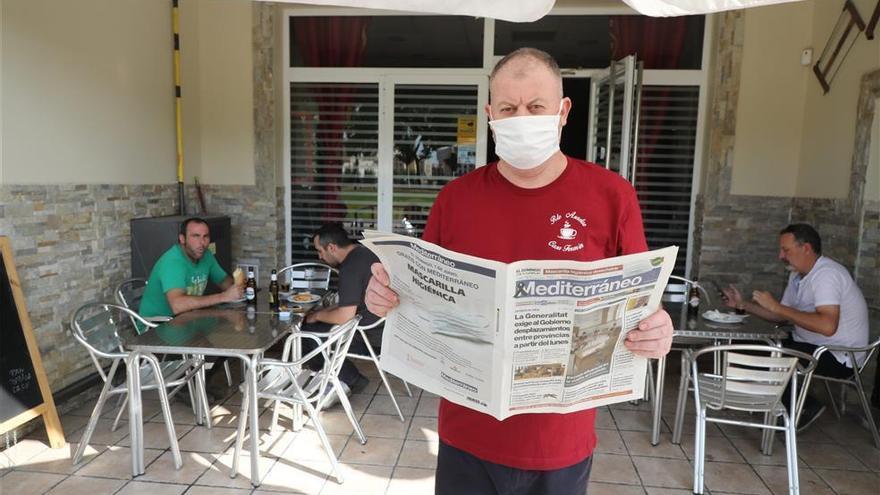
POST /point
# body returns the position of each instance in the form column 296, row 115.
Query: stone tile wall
column 72, row 246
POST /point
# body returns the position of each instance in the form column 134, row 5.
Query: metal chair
column 129, row 293
column 287, row 381
column 752, row 379
column 372, row 356
column 97, row 326
column 308, row 275
column 855, row 381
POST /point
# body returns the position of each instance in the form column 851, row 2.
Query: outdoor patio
column 837, row 456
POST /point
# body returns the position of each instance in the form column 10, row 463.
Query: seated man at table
column 179, row 277
column 822, row 301
column 354, row 262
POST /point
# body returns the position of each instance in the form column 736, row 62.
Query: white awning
column 507, row 10
column 670, row 8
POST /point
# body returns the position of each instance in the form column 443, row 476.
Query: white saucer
column 721, row 317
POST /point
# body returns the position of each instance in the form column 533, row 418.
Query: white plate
column 720, row 317
column 313, row 298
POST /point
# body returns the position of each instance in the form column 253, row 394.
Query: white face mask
column 527, row 141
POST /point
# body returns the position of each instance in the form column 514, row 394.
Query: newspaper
column 524, row 337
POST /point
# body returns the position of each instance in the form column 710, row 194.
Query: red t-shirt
column 587, row 213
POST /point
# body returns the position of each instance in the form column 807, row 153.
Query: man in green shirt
column 177, row 282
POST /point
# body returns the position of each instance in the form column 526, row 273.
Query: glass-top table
column 697, row 330
column 229, row 330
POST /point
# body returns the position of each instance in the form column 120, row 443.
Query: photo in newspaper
column 531, row 336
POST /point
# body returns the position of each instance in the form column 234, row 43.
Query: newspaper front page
column 524, row 337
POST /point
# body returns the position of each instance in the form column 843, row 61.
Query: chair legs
column 681, row 403
column 866, row 407
column 96, row 413
column 382, row 374
column 791, row 455
column 700, row 452
column 166, row 410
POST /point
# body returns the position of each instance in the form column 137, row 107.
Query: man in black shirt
column 354, row 262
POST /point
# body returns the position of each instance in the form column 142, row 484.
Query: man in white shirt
column 822, row 301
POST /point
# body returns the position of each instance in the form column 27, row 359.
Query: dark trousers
column 349, row 373
column 828, row 365
column 461, row 473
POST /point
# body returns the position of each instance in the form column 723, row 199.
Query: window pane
column 386, row 41
column 334, row 142
column 665, row 164
column 574, row 41
column 434, row 142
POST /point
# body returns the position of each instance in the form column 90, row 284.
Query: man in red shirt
column 534, row 203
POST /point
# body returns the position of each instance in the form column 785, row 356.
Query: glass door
column 613, row 118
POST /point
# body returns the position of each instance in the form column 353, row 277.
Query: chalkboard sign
column 24, row 390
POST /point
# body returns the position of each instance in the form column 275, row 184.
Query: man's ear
column 181, row 238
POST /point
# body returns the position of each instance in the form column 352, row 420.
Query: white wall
column 87, row 91
column 791, row 139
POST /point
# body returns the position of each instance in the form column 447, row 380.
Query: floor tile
column 378, row 451
column 115, row 462
column 302, row 477
column 26, row 448
column 69, row 423
column 82, row 485
column 396, row 386
column 383, row 426
column 828, row 456
column 776, row 478
column 850, row 482
column 635, row 420
column 60, row 460
column 604, row 420
column 411, row 481
column 734, row 478
column 216, row 490
column 689, row 425
column 201, row 439
column 306, row 446
column 23, row 483
column 609, row 442
column 162, row 469
column 611, row 468
column 102, row 435
column 181, row 413
column 336, row 421
column 428, row 406
column 359, row 402
column 639, row 443
column 156, row 436
column 599, row 488
column 418, row 454
column 868, row 454
column 654, row 490
column 664, row 473
column 423, row 428
column 359, row 479
column 717, row 449
column 750, row 449
column 218, row 473
column 147, row 488
column 382, row 404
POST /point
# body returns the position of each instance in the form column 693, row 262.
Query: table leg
column 254, row 426
column 297, row 411
column 658, row 400
column 135, row 426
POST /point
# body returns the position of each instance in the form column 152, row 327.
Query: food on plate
column 303, row 297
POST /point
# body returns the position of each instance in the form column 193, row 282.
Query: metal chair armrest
column 373, row 325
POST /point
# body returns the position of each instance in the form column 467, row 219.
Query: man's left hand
column 312, row 317
column 653, row 337
column 765, row 300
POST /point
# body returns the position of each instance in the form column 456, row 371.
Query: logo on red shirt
column 567, row 237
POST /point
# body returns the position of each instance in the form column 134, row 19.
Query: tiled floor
column 836, row 456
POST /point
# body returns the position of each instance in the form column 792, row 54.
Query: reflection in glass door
column 334, row 142
column 435, row 136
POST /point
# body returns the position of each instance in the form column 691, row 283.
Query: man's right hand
column 233, row 293
column 732, row 297
column 380, row 298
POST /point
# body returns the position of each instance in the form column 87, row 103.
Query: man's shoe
column 331, row 398
column 811, row 412
column 359, row 384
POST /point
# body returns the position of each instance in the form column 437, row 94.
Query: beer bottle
column 693, row 300
column 273, row 291
column 250, row 288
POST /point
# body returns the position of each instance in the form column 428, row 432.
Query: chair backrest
column 310, row 275
column 129, row 293
column 749, row 370
column 678, row 288
column 97, row 327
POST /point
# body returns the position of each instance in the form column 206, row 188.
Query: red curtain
column 331, row 42
column 658, row 43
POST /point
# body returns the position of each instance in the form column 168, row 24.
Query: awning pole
column 175, row 26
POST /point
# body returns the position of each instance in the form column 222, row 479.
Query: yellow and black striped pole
column 175, row 26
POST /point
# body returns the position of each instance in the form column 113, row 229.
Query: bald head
column 520, row 63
